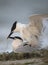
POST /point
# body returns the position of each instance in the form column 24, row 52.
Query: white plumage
column 28, row 32
column 16, row 44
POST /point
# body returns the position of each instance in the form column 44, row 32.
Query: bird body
column 28, row 32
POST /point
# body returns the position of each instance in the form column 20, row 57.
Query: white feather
column 16, row 43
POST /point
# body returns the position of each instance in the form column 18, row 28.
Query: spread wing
column 14, row 26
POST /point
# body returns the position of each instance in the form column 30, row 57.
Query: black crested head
column 14, row 26
column 16, row 37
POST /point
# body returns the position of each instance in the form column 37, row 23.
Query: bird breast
column 16, row 43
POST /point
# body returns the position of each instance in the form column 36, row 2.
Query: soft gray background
column 20, row 10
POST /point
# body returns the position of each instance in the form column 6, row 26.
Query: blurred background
column 20, row 10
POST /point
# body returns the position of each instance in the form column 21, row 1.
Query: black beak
column 9, row 35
